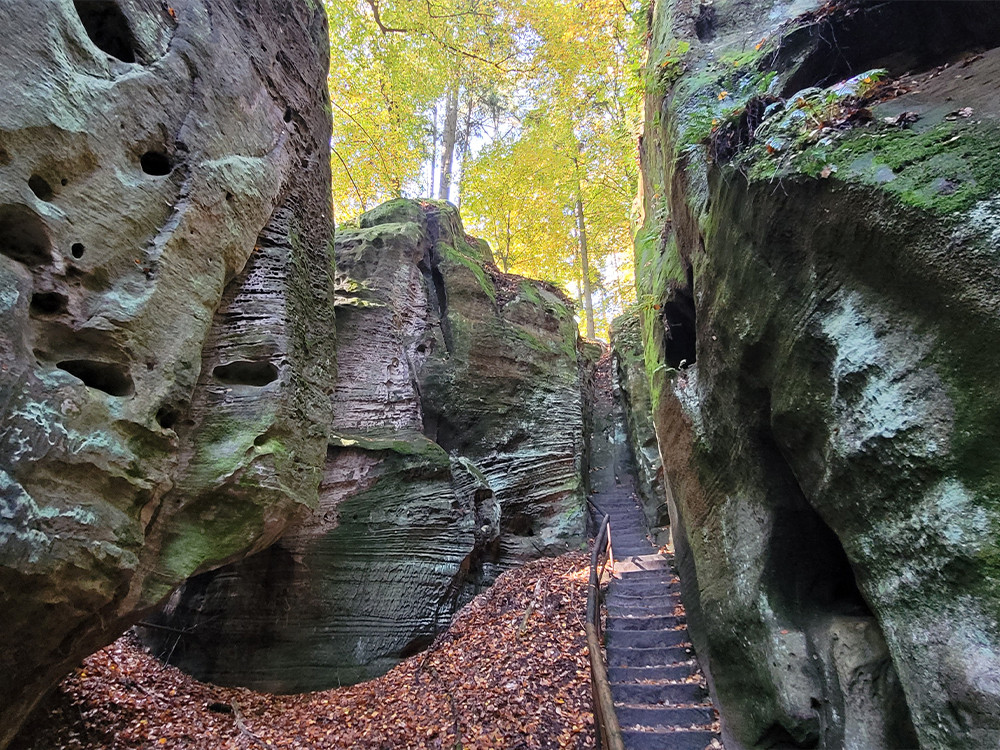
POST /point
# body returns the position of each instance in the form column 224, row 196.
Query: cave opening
column 246, row 372
column 518, row 523
column 23, row 236
column 48, row 303
column 900, row 37
column 156, row 163
column 807, row 570
column 109, row 377
column 107, row 27
column 679, row 325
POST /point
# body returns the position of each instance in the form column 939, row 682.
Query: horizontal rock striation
column 820, row 224
column 166, row 294
column 456, row 451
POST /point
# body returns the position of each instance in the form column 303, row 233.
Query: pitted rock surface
column 456, row 451
column 166, row 295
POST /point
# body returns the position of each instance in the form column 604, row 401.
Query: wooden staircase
column 659, row 693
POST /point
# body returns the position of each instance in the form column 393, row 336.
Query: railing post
column 609, row 732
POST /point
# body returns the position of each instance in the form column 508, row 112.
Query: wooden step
column 666, row 717
column 646, row 638
column 678, row 739
column 671, row 693
column 673, row 673
column 648, row 657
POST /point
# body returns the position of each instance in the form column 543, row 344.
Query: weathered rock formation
column 456, row 451
column 633, row 383
column 166, row 294
column 822, row 221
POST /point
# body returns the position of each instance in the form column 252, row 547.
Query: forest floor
column 511, row 672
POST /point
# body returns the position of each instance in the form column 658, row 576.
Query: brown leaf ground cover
column 512, row 672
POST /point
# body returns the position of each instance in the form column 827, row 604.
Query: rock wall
column 820, row 231
column 166, row 294
column 456, row 452
column 633, row 381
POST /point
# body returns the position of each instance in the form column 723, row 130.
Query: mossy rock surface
column 455, row 452
column 832, row 485
column 166, row 344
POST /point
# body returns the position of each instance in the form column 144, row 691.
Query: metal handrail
column 609, row 732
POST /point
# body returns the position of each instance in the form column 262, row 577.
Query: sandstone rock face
column 632, row 380
column 455, row 452
column 166, row 295
column 828, row 256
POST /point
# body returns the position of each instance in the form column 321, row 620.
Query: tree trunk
column 581, row 229
column 463, row 151
column 448, row 138
column 434, row 144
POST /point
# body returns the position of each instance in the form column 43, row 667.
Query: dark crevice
column 900, row 37
column 23, row 236
column 167, row 416
column 107, row 28
column 430, row 267
column 776, row 737
column 48, row 303
column 517, row 523
column 415, row 646
column 41, row 188
column 110, row 377
column 807, row 571
column 156, row 163
column 678, row 317
column 704, row 25
column 246, row 372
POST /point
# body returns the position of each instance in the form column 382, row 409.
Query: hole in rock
column 167, row 416
column 23, row 236
column 678, row 317
column 109, row 377
column 156, row 163
column 776, row 736
column 64, row 182
column 245, row 372
column 518, row 524
column 48, row 303
column 416, row 645
column 40, row 187
column 107, row 28
column 260, row 440
column 77, row 249
column 897, row 36
column 807, row 568
column 287, row 117
column 704, row 25
column 4, row 157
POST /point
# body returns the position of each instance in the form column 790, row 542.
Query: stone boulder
column 166, row 288
column 821, row 194
column 456, row 452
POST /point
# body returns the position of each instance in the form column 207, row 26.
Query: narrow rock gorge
column 818, row 304
column 455, row 452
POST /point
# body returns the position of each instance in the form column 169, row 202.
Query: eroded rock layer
column 166, row 295
column 821, row 200
column 456, row 451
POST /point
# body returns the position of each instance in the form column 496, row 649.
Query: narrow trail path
column 660, row 696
